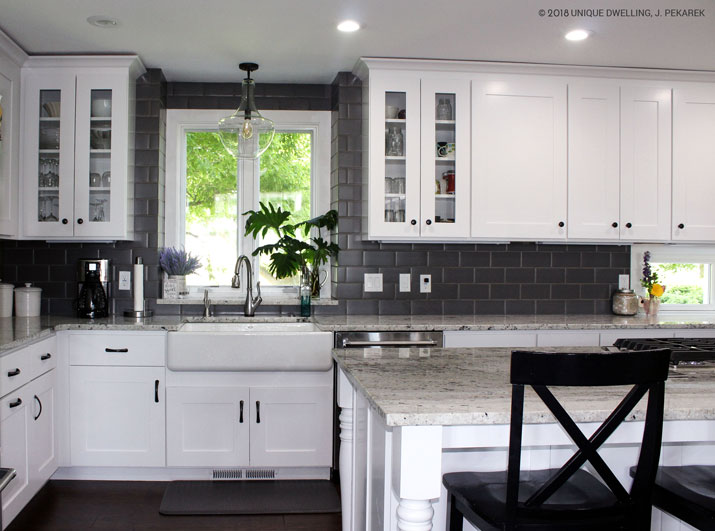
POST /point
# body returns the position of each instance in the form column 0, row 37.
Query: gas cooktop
column 685, row 350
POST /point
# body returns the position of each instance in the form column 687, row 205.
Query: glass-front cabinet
column 78, row 151
column 418, row 180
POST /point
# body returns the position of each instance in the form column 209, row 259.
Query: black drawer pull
column 240, row 411
column 12, row 373
column 258, row 412
column 16, row 402
column 116, row 349
column 45, row 356
column 40, row 403
column 156, row 391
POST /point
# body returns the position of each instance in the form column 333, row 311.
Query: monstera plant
column 289, row 255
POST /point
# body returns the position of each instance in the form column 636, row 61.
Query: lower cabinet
column 27, row 438
column 249, row 426
column 117, row 416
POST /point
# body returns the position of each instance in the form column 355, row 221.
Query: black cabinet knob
column 561, row 224
column 80, row 221
column 681, row 225
column 614, row 224
column 65, row 221
column 429, row 222
column 413, row 222
column 629, row 225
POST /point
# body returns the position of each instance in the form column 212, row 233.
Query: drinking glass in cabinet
column 97, row 212
column 444, row 109
column 48, row 208
column 395, row 142
column 49, row 173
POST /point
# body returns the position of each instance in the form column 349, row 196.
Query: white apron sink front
column 260, row 346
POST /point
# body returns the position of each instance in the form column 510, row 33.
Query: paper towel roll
column 139, row 286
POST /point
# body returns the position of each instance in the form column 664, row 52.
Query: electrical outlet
column 425, row 283
column 624, row 282
column 125, row 280
column 373, row 282
column 405, row 282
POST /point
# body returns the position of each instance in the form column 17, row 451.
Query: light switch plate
column 624, row 282
column 125, row 280
column 425, row 283
column 405, row 282
column 373, row 282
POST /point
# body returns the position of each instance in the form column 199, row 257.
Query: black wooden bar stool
column 569, row 497
column 688, row 493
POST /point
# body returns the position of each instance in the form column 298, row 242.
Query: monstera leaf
column 266, row 219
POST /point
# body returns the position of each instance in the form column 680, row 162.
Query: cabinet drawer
column 25, row 364
column 139, row 349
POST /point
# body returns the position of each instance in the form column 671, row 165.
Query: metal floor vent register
column 240, row 473
column 267, row 496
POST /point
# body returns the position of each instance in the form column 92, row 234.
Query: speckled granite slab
column 467, row 386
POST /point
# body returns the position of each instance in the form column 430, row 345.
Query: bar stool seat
column 688, row 493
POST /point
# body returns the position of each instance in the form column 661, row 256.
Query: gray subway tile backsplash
column 482, row 278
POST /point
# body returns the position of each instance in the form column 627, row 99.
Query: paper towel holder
column 143, row 313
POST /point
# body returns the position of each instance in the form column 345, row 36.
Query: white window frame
column 181, row 121
column 663, row 253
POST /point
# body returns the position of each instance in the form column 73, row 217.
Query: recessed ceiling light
column 577, row 35
column 102, row 21
column 348, row 26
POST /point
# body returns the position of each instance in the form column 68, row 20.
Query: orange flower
column 657, row 290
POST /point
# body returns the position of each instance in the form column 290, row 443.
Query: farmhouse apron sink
column 256, row 346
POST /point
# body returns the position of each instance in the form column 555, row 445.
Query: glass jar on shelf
column 395, row 142
column 444, row 109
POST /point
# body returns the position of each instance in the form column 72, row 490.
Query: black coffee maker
column 93, row 300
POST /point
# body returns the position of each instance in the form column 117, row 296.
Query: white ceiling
column 296, row 41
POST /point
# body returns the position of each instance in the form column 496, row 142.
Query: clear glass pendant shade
column 246, row 134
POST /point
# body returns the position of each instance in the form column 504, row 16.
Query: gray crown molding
column 16, row 54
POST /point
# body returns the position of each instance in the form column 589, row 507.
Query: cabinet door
column 48, row 152
column 43, row 441
column 117, row 416
column 207, row 426
column 593, row 161
column 291, row 426
column 693, row 163
column 9, row 142
column 446, row 179
column 394, row 157
column 518, row 158
column 15, row 422
column 645, row 163
column 101, row 156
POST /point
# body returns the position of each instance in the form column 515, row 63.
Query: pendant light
column 246, row 134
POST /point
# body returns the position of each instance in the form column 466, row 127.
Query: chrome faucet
column 249, row 307
column 207, row 304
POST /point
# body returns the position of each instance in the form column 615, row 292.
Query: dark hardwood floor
column 134, row 506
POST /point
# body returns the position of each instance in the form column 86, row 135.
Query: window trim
column 663, row 253
column 181, row 121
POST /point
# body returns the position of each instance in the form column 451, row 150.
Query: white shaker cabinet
column 418, row 184
column 116, row 398
column 518, row 158
column 693, row 163
column 619, row 161
column 272, row 426
column 77, row 161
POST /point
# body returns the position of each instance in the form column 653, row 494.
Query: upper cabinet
column 11, row 59
column 78, row 147
column 540, row 153
column 518, row 158
column 418, row 156
column 619, row 161
column 694, row 163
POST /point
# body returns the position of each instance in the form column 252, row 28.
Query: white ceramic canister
column 27, row 301
column 6, row 299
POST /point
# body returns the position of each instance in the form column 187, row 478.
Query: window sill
column 275, row 300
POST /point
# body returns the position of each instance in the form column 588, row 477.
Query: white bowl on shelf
column 52, row 108
column 100, row 139
column 102, row 108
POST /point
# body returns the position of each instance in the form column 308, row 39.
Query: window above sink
column 207, row 190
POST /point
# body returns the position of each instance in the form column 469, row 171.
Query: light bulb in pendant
column 247, row 129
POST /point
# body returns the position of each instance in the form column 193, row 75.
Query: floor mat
column 250, row 497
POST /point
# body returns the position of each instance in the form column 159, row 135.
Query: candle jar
column 625, row 302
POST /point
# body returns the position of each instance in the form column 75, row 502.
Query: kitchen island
column 410, row 415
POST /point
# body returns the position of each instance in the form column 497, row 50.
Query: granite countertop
column 467, row 386
column 14, row 331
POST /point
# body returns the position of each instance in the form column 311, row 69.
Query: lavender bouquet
column 178, row 262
